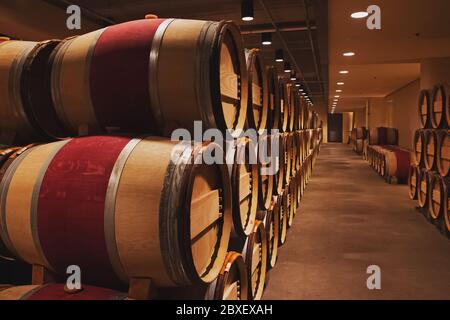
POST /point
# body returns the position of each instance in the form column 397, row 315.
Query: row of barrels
column 433, row 107
column 124, row 208
column 145, row 76
column 432, row 150
column 390, row 162
column 432, row 191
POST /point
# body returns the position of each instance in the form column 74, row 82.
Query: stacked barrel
column 102, row 182
column 385, row 156
column 429, row 174
column 358, row 139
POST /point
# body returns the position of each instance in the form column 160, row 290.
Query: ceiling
column 385, row 59
column 41, row 19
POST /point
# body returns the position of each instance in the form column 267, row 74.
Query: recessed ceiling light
column 297, row 84
column 338, row 90
column 349, row 54
column 337, row 96
column 359, row 15
column 301, row 90
column 343, row 72
column 279, row 55
column 340, row 83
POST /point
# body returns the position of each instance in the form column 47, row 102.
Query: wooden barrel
column 293, row 113
column 243, row 169
column 292, row 204
column 284, row 104
column 271, row 220
column 429, row 149
column 396, row 163
column 361, row 133
column 413, row 181
column 258, row 96
column 294, row 154
column 26, row 109
column 298, row 147
column 424, row 109
column 446, row 209
column 288, row 149
column 280, row 201
column 255, row 257
column 281, row 173
column 423, row 188
column 267, row 170
column 418, row 147
column 232, row 281
column 443, row 153
column 439, row 106
column 115, row 193
column 131, row 77
column 59, row 292
column 273, row 120
column 437, row 196
column 359, row 146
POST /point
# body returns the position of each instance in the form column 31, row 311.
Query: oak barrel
column 119, row 208
column 271, row 220
column 424, row 107
column 423, row 188
column 437, row 196
column 418, row 147
column 273, row 120
column 59, row 292
column 131, row 77
column 268, row 167
column 284, row 104
column 232, row 281
column 26, row 109
column 258, row 96
column 413, row 181
column 443, row 152
column 429, row 149
column 243, row 168
column 255, row 257
column 439, row 106
column 283, row 217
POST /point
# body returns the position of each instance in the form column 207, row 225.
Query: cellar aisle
column 350, row 219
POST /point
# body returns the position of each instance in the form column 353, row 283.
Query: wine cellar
column 224, row 150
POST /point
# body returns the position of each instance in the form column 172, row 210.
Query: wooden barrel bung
column 413, row 181
column 26, row 109
column 429, row 149
column 424, row 109
column 58, row 292
column 119, row 192
column 284, row 104
column 232, row 281
column 273, row 119
column 443, row 153
column 258, row 96
column 436, row 197
column 423, row 188
column 439, row 106
column 140, row 64
column 268, row 167
column 418, row 147
column 255, row 256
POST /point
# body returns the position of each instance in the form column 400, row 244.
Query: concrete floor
column 350, row 219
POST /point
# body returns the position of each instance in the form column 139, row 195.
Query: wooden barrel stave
column 443, row 152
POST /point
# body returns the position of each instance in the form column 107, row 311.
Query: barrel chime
column 429, row 180
column 97, row 182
